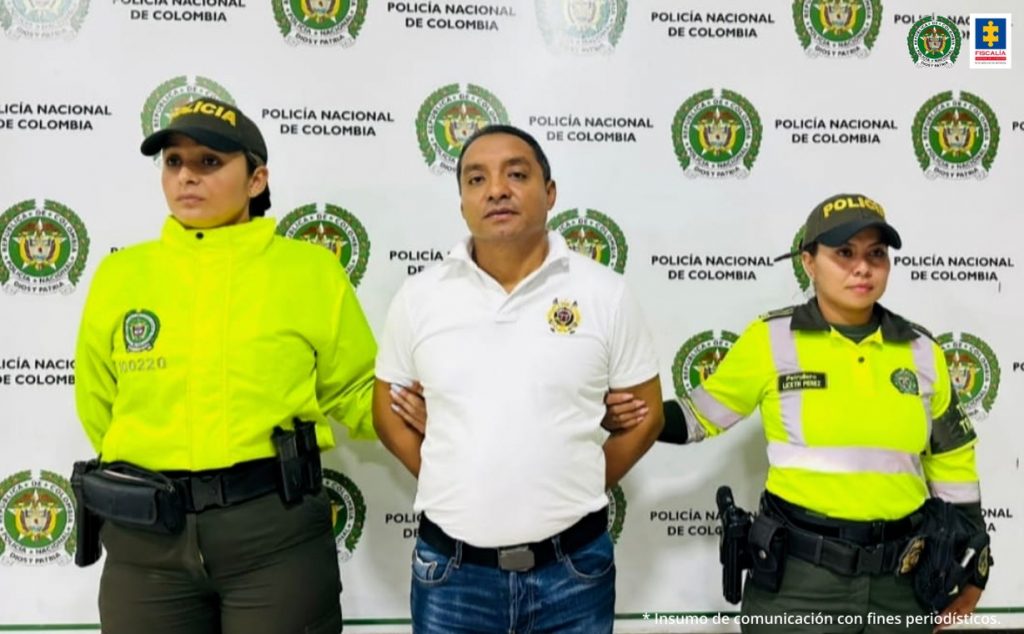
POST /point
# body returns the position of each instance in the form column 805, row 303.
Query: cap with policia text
column 838, row 218
column 213, row 123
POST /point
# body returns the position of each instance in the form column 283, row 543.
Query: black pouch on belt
column 768, row 538
column 87, row 523
column 134, row 497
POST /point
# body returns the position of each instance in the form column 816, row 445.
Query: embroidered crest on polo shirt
column 905, row 381
column 564, row 317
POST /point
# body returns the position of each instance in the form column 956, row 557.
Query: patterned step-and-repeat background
column 689, row 139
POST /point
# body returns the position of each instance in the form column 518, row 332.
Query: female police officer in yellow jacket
column 862, row 425
column 193, row 348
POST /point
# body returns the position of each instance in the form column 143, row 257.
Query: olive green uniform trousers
column 814, row 599
column 253, row 568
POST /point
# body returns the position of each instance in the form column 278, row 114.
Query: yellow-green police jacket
column 194, row 346
column 858, row 431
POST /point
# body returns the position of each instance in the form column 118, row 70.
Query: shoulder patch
column 778, row 313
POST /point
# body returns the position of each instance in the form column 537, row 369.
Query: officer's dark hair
column 501, row 128
column 812, row 248
column 258, row 205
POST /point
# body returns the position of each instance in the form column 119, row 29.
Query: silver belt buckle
column 516, row 559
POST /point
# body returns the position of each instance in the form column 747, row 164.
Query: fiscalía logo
column 904, row 380
column 174, row 93
column 581, row 26
column 718, row 136
column 320, row 22
column 593, row 235
column 140, row 328
column 348, row 511
column 698, row 358
column 837, row 28
column 43, row 248
column 563, row 316
column 38, row 519
column 616, row 512
column 934, row 42
column 974, row 370
column 990, row 40
column 42, row 18
column 956, row 137
column 448, row 117
column 336, row 230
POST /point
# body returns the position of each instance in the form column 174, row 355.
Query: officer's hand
column 410, row 406
column 623, row 411
column 962, row 606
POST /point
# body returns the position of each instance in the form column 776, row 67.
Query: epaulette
column 777, row 313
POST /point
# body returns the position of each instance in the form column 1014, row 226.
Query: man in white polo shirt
column 516, row 339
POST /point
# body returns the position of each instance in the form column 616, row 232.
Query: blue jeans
column 575, row 594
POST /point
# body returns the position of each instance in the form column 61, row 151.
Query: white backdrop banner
column 689, row 139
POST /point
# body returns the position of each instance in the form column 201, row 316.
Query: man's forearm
column 624, row 449
column 400, row 439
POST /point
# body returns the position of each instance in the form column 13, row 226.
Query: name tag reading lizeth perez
column 802, row 381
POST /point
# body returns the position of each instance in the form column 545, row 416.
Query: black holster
column 131, row 496
column 768, row 540
column 298, row 459
column 953, row 555
column 733, row 546
column 87, row 523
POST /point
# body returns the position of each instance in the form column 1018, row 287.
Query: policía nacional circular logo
column 616, row 512
column 348, row 511
column 956, row 137
column 718, row 136
column 802, row 279
column 140, row 329
column 594, row 235
column 176, row 92
column 43, row 248
column 336, row 230
column 698, row 359
column 448, row 117
column 320, row 22
column 38, row 519
column 934, row 42
column 837, row 28
column 42, row 18
column 974, row 370
column 581, row 26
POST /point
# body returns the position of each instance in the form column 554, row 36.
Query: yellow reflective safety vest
column 194, row 346
column 858, row 431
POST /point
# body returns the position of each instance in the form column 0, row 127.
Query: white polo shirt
column 515, row 386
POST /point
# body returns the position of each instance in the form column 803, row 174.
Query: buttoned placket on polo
column 508, row 304
column 862, row 355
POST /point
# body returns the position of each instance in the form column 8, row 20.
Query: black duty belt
column 843, row 546
column 226, row 487
column 524, row 556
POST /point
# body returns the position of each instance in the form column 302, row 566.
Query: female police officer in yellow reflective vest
column 192, row 349
column 862, row 425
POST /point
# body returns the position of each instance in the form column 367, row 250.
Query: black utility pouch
column 134, row 497
column 87, row 523
column 768, row 540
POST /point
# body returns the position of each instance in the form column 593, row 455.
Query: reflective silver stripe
column 843, row 459
column 783, row 342
column 695, row 432
column 956, row 492
column 712, row 410
column 924, row 361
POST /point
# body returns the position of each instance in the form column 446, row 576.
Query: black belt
column 524, row 556
column 843, row 546
column 232, row 485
